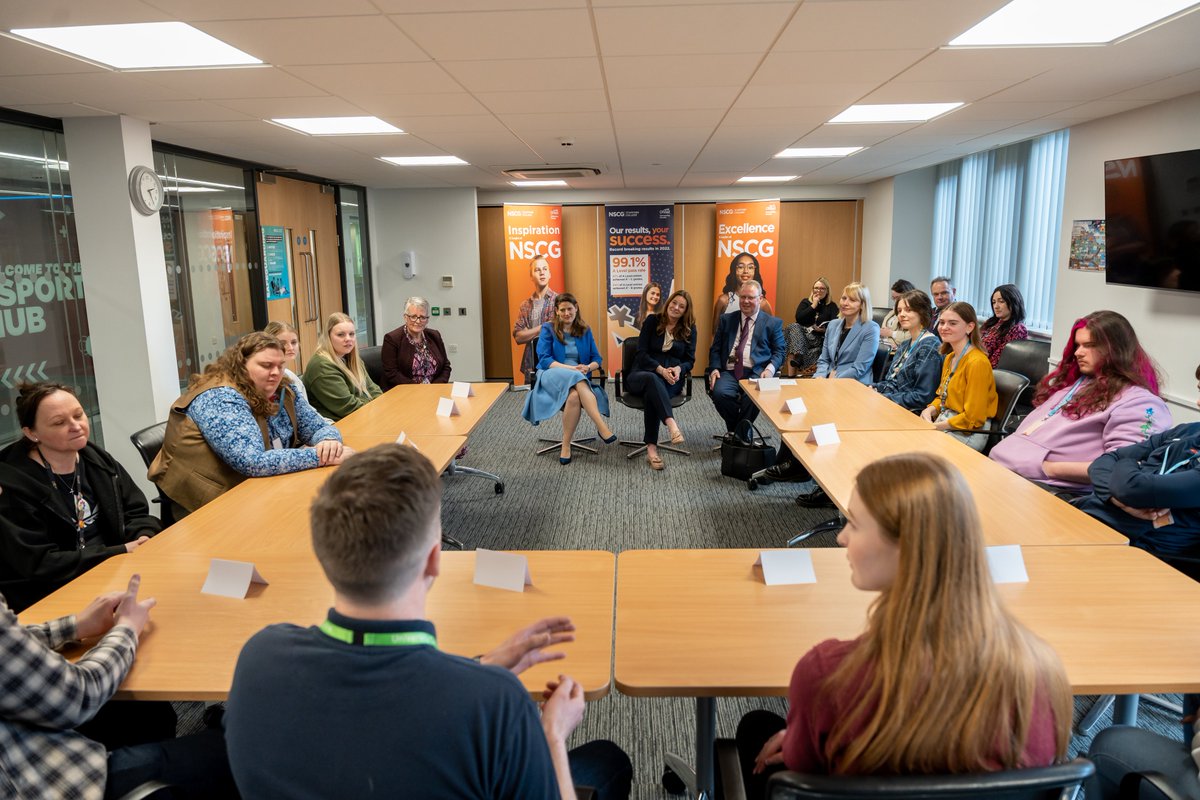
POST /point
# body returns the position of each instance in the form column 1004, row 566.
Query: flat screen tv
column 1152, row 220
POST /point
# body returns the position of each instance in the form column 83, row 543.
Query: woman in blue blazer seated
column 666, row 352
column 850, row 340
column 567, row 355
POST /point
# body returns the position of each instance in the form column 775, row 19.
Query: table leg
column 706, row 737
column 1125, row 709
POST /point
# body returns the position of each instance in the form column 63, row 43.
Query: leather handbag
column 746, row 454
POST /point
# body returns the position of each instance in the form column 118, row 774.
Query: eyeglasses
column 416, row 318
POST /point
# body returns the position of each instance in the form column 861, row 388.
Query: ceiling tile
column 59, row 110
column 634, row 99
column 527, row 102
column 182, row 111
column 350, row 80
column 325, row 40
column 229, row 84
column 273, row 107
column 58, row 13
column 935, row 92
column 693, row 30
column 471, row 123
column 678, row 72
column 564, row 123
column 106, row 90
column 986, row 64
column 1165, row 89
column 546, row 33
column 459, row 6
column 845, row 66
column 484, row 149
column 838, row 95
column 546, row 74
column 419, row 105
column 201, row 10
column 879, row 25
column 20, row 58
column 669, row 118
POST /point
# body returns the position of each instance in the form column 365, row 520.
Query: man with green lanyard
column 365, row 704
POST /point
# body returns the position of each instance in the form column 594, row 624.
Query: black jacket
column 39, row 548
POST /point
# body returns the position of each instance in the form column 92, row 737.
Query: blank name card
column 502, row 570
column 462, row 389
column 404, row 439
column 823, row 434
column 231, row 578
column 1006, row 564
column 795, row 406
column 447, row 407
column 769, row 384
column 785, row 567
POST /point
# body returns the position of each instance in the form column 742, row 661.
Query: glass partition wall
column 356, row 262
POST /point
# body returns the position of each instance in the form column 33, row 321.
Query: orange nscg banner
column 747, row 246
column 533, row 259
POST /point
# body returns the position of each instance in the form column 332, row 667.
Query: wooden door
column 306, row 211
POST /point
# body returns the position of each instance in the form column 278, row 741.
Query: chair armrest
column 147, row 789
column 687, row 383
column 1131, row 785
column 585, row 793
column 729, row 768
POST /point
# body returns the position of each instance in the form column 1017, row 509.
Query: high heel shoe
column 677, row 437
column 609, row 439
column 564, row 461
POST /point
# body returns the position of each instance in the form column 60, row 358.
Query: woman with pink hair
column 1102, row 396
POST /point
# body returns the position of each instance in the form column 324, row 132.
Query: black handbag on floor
column 740, row 459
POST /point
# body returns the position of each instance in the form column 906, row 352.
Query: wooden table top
column 850, row 404
column 700, row 623
column 191, row 649
column 413, row 409
column 1013, row 510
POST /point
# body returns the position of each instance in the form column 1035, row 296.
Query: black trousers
column 752, row 733
column 657, row 395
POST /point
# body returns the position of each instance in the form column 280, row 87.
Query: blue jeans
column 602, row 766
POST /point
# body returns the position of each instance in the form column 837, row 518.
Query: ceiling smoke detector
column 561, row 173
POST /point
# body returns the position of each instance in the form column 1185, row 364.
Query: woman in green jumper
column 336, row 380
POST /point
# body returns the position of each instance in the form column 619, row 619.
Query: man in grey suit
column 748, row 343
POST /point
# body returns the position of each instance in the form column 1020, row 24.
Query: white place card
column 462, row 389
column 785, row 567
column 231, row 578
column 823, row 434
column 787, row 381
column 402, row 438
column 795, row 406
column 447, row 407
column 502, row 570
column 769, row 384
column 1006, row 564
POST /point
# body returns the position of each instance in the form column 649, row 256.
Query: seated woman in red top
column 944, row 679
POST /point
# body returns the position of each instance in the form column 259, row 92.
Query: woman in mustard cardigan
column 966, row 398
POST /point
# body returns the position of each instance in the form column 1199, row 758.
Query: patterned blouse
column 424, row 365
column 994, row 341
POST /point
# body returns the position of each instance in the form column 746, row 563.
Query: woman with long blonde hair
column 944, row 679
column 336, row 379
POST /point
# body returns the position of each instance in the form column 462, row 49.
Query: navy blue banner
column 640, row 248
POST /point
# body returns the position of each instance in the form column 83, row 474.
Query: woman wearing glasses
column 414, row 353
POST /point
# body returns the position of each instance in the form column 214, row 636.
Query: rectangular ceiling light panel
column 1045, row 23
column 337, row 126
column 893, row 112
column 141, row 45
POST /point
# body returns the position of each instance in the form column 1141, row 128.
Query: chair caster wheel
column 672, row 783
column 752, row 484
column 499, row 488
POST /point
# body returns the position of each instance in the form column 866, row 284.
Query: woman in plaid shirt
column 45, row 697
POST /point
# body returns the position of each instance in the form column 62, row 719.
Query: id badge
column 276, row 444
column 1029, row 431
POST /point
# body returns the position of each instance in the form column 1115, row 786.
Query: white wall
column 441, row 226
column 912, row 227
column 1167, row 322
column 877, row 248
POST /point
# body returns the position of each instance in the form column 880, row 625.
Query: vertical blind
column 997, row 219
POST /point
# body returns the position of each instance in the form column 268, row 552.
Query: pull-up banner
column 640, row 243
column 747, row 247
column 534, row 263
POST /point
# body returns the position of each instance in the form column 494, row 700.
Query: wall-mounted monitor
column 1152, row 220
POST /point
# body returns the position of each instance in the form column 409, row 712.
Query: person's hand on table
column 528, row 646
column 329, row 452
column 130, row 611
column 136, row 543
column 563, row 710
column 771, row 753
column 96, row 619
column 928, row 413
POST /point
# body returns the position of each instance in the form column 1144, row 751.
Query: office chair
column 1009, row 388
column 148, row 441
column 554, row 444
column 883, row 360
column 1057, row 782
column 372, row 358
column 1031, row 358
column 637, row 402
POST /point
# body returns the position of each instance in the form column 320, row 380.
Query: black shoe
column 815, row 499
column 785, row 471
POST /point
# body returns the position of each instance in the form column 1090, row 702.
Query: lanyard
column 393, row 639
column 912, row 345
column 1162, row 470
column 945, row 390
column 1058, row 406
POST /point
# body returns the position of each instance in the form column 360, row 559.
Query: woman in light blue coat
column 567, row 355
column 851, row 340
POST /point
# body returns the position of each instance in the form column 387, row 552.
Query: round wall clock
column 145, row 190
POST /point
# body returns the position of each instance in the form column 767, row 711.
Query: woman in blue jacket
column 850, row 340
column 567, row 355
column 912, row 379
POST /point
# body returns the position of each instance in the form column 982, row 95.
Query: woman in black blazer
column 414, row 353
column 666, row 352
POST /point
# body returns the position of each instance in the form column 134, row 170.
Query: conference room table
column 848, row 403
column 412, row 408
column 1012, row 509
column 191, row 646
column 702, row 624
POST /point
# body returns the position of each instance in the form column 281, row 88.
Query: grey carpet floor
column 610, row 503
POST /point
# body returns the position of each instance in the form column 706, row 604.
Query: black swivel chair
column 372, row 359
column 1031, row 358
column 148, row 441
column 879, row 314
column 1009, row 388
column 637, row 403
column 1058, row 782
column 883, row 360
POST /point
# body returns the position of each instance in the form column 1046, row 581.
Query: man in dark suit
column 748, row 343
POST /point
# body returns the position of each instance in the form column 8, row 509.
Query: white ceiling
column 657, row 93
